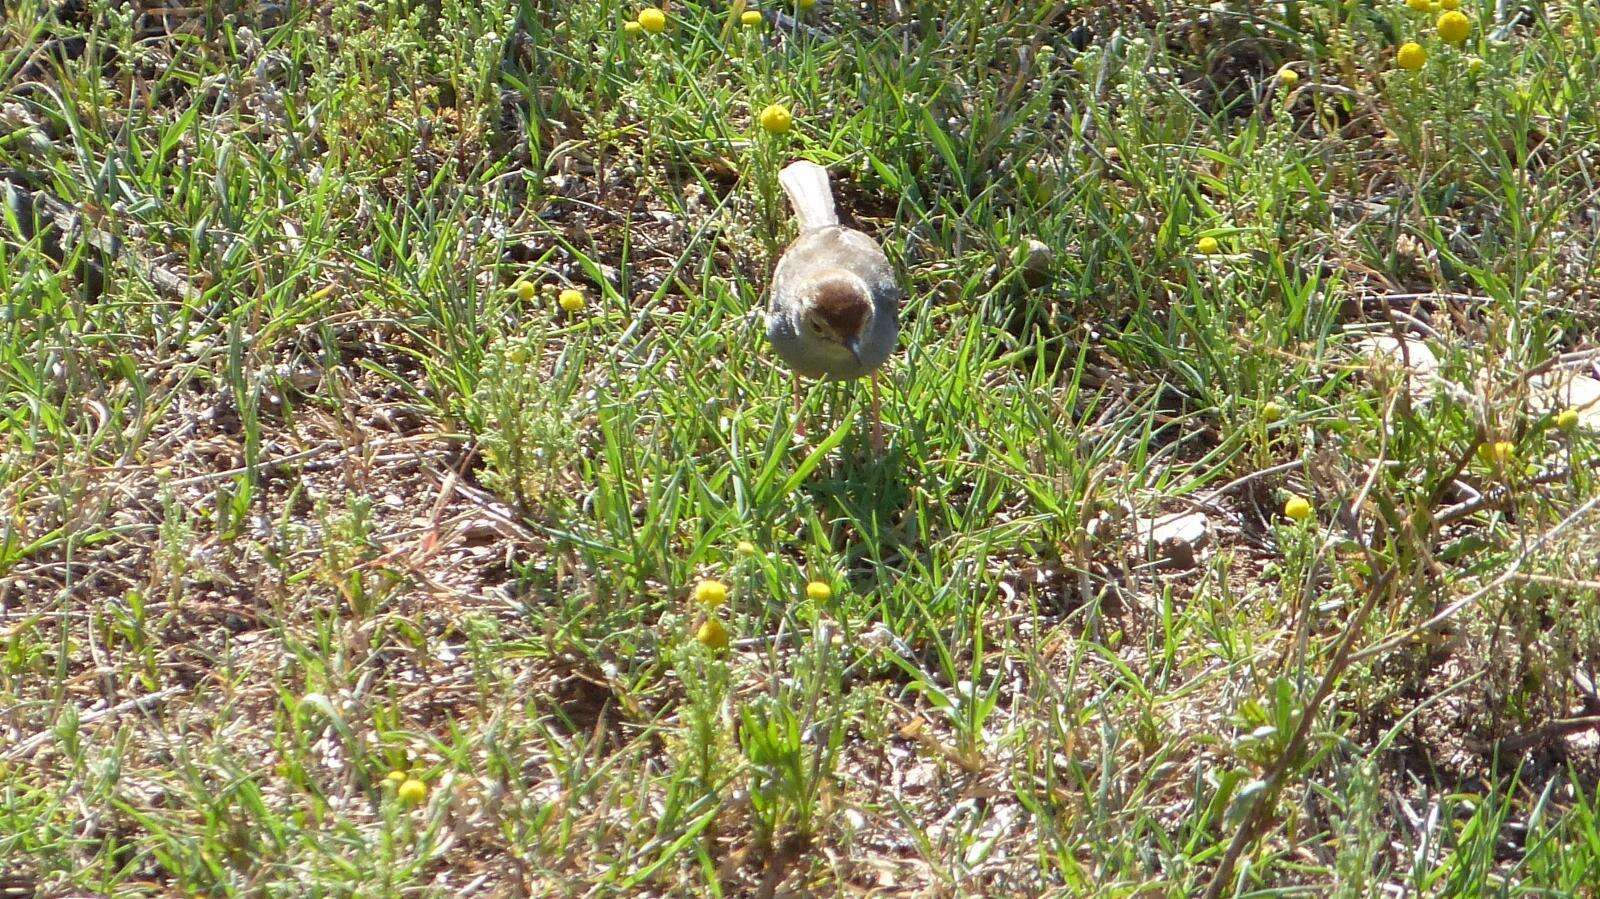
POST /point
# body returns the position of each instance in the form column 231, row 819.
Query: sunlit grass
column 382, row 561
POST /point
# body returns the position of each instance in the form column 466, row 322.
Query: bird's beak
column 853, row 344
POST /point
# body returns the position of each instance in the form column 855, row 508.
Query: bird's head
column 838, row 310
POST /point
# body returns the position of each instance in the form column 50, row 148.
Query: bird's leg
column 799, row 423
column 877, row 419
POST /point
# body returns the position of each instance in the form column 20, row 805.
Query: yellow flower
column 396, row 777
column 1207, row 245
column 1498, row 453
column 632, row 26
column 1433, row 5
column 525, row 290
column 1288, row 76
column 712, row 634
column 818, row 591
column 652, row 20
column 1298, row 508
column 1271, row 412
column 746, row 548
column 1418, row 5
column 1450, row 4
column 571, row 301
column 776, row 119
column 750, row 18
column 806, row 4
column 711, row 593
column 1411, row 56
column 1567, row 419
column 1474, row 65
column 1454, row 26
column 412, row 791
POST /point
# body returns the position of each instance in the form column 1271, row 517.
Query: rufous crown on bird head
column 839, row 309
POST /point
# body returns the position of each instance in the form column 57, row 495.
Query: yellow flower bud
column 652, row 20
column 1454, row 26
column 712, row 634
column 1497, row 453
column 711, row 593
column 776, row 119
column 1297, row 508
column 412, row 791
column 1411, row 56
column 818, row 591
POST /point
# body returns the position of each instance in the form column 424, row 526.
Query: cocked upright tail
column 806, row 183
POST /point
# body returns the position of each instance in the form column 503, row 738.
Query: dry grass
column 306, row 479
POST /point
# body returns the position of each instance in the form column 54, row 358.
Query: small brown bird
column 834, row 310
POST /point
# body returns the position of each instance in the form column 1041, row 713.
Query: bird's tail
column 806, row 183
